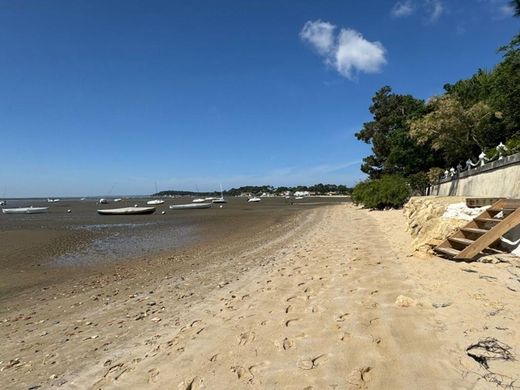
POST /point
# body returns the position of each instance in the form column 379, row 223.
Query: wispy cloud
column 347, row 51
column 435, row 9
column 402, row 9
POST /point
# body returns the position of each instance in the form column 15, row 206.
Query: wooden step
column 495, row 220
column 447, row 251
column 461, row 240
column 491, row 236
column 474, row 230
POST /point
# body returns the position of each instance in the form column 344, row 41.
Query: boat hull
column 128, row 211
column 26, row 210
column 155, row 202
column 190, row 206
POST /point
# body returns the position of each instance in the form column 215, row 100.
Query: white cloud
column 356, row 53
column 402, row 9
column 435, row 9
column 348, row 52
column 319, row 34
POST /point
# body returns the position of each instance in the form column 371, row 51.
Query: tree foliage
column 455, row 131
column 393, row 150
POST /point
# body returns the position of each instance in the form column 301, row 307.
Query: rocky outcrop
column 425, row 219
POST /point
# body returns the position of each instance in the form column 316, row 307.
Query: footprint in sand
column 242, row 373
column 246, row 338
column 284, row 344
column 342, row 317
column 359, row 378
column 153, row 373
column 309, row 364
column 287, row 344
column 291, row 322
column 196, row 383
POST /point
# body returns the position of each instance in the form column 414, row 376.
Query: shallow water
column 125, row 241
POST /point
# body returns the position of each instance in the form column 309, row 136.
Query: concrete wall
column 499, row 178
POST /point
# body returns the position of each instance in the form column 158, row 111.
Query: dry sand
column 313, row 309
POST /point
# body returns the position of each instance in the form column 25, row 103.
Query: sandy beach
column 334, row 298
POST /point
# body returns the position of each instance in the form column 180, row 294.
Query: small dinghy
column 254, row 199
column 26, row 210
column 155, row 202
column 199, row 200
column 127, row 211
column 189, row 206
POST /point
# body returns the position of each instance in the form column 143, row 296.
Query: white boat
column 221, row 199
column 190, row 206
column 118, row 200
column 102, row 201
column 3, row 202
column 127, row 211
column 155, row 202
column 199, row 200
column 209, row 198
column 299, row 198
column 53, row 200
column 26, row 210
column 254, row 199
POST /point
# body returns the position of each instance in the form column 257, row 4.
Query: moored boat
column 155, row 202
column 221, row 199
column 127, row 211
column 198, row 200
column 189, row 206
column 254, row 199
column 26, row 210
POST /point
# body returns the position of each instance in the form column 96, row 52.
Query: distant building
column 302, row 193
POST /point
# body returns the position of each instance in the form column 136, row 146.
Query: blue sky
column 113, row 96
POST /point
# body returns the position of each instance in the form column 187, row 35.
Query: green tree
column 455, row 131
column 393, row 150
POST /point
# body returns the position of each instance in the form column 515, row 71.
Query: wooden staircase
column 483, row 233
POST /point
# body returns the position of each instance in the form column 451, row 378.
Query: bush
column 391, row 191
column 419, row 183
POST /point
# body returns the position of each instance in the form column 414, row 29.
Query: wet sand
column 48, row 248
column 332, row 298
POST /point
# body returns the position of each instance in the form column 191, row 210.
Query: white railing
column 501, row 151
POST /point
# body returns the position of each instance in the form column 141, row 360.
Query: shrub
column 391, row 191
column 418, row 183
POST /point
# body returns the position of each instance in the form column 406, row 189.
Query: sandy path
column 321, row 315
